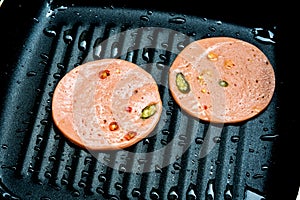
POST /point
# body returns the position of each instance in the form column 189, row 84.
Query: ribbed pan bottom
column 183, row 158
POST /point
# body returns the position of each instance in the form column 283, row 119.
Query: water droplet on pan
column 177, row 20
column 135, row 192
column 235, row 138
column 158, row 169
column 210, row 190
column 199, row 140
column 67, row 36
column 82, row 43
column 50, row 31
column 269, row 137
column 144, row 18
column 145, row 54
column 154, row 194
column 31, row 73
column 172, row 195
column 115, row 50
column 191, row 195
column 263, row 35
column 227, row 193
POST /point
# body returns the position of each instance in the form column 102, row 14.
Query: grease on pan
column 106, row 104
column 229, row 80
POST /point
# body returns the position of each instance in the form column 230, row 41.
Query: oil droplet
column 144, row 18
column 199, row 140
column 115, row 50
column 210, row 190
column 84, row 173
column 82, row 43
column 264, row 167
column 154, row 194
column 177, row 166
column 60, row 66
column 76, row 193
column 248, row 174
column 136, row 192
column 97, row 48
column 87, row 160
column 36, row 20
column 227, row 193
column 101, row 178
column 52, row 158
column 142, row 161
column 44, row 56
column 217, row 139
column 263, row 35
column 256, row 176
column 164, row 45
column 130, row 53
column 164, row 142
column 191, row 195
column 160, row 65
column 165, row 132
column 48, row 174
column 177, row 20
column 118, row 186
column 172, row 195
column 44, row 121
column 180, row 46
column 31, row 73
column 163, row 57
column 56, row 75
column 146, row 141
column 81, row 184
column 212, row 29
column 13, row 168
column 4, row 146
column 158, row 169
column 99, row 190
column 269, row 137
column 235, row 138
column 67, row 36
column 169, row 112
column 39, row 140
column 64, row 181
column 145, row 54
column 50, row 31
column 219, row 22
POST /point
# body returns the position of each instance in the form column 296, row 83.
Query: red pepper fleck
column 205, row 107
column 113, row 126
column 130, row 135
column 128, row 109
column 104, row 74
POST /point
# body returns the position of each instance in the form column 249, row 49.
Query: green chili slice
column 223, row 83
column 148, row 111
column 182, row 85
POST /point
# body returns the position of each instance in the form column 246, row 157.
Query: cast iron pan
column 42, row 41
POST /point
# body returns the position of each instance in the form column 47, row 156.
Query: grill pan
column 248, row 160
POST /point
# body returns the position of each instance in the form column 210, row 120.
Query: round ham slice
column 222, row 79
column 106, row 104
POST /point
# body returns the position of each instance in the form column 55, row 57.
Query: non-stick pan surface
column 183, row 158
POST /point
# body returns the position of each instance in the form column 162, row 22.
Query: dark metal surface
column 245, row 160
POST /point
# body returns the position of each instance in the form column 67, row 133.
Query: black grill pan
column 244, row 161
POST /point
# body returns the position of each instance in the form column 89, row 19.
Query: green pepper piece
column 148, row 111
column 223, row 83
column 182, row 85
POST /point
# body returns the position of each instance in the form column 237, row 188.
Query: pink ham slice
column 98, row 105
column 230, row 80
